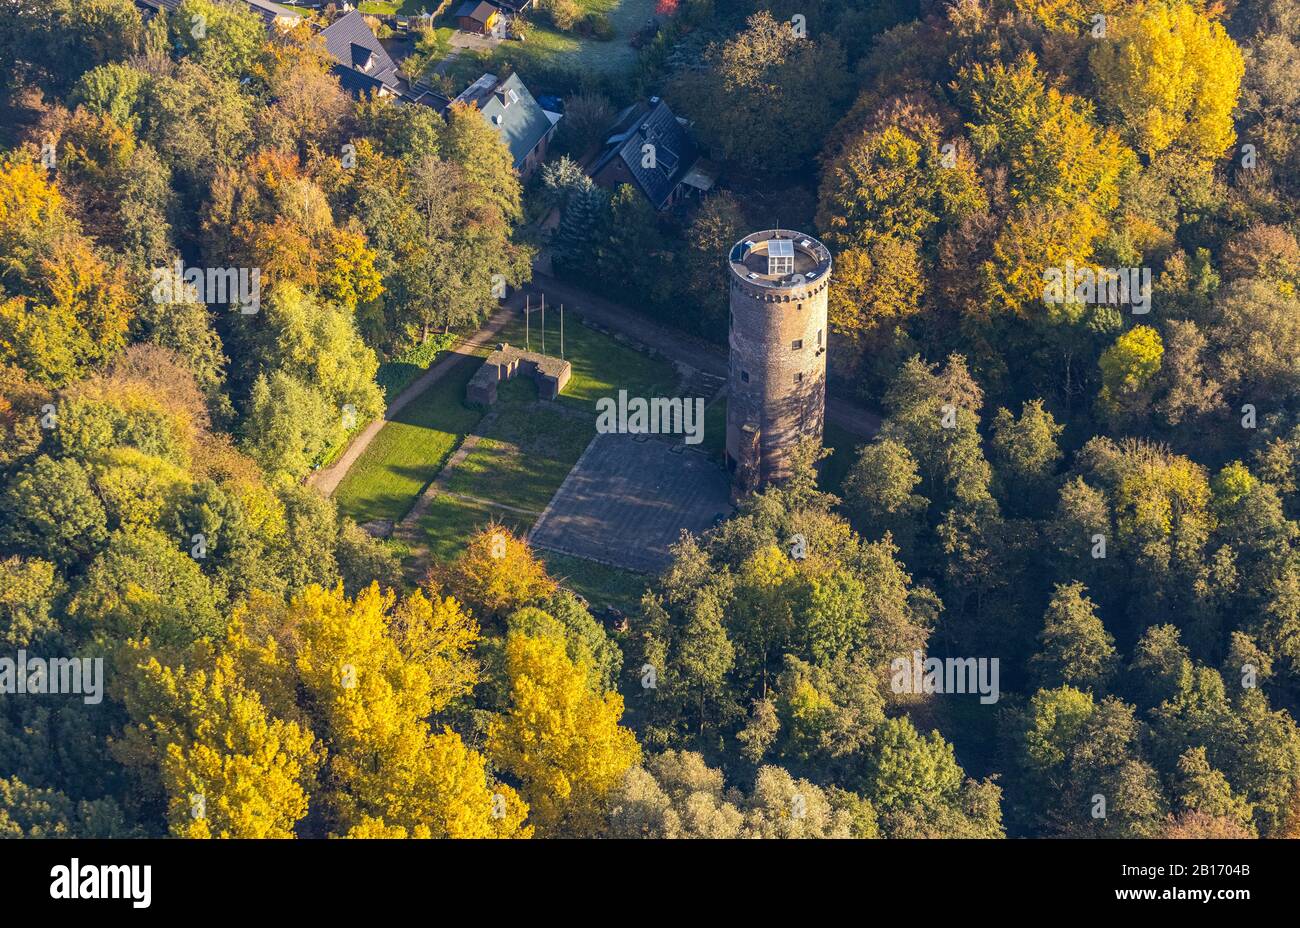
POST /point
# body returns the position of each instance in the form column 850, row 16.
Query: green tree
column 51, row 511
column 1074, row 647
column 756, row 86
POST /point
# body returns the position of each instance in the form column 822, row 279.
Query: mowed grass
column 525, row 453
column 599, row 584
column 410, row 450
column 550, row 48
column 601, row 365
column 448, row 523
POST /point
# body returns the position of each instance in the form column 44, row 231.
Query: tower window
column 744, row 376
column 797, row 344
column 798, row 378
column 819, row 338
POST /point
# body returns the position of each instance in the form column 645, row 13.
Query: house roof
column 268, row 11
column 360, row 62
column 675, row 152
column 155, row 5
column 509, row 107
column 478, row 10
column 272, row 11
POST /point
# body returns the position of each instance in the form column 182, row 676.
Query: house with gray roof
column 511, row 110
column 652, row 149
column 361, row 63
column 272, row 14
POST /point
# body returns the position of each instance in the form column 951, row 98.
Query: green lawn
column 599, row 584
column 410, row 450
column 550, row 48
column 601, row 365
column 405, row 7
column 448, row 522
column 525, row 453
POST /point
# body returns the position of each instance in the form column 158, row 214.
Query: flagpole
column 527, row 313
column 561, row 331
column 543, row 322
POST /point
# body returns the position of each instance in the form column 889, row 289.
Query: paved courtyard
column 627, row 500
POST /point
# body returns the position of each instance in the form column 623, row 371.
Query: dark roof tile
column 674, row 150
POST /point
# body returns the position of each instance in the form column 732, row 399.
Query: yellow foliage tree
column 1071, row 16
column 1173, row 76
column 1160, row 494
column 228, row 768
column 893, row 179
column 1032, row 241
column 27, row 199
column 1128, row 365
column 498, row 573
column 561, row 739
column 373, row 699
column 875, row 288
column 1047, row 139
column 70, row 308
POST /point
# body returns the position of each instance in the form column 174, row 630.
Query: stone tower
column 776, row 392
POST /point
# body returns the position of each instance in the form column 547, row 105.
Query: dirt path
column 679, row 346
column 327, row 479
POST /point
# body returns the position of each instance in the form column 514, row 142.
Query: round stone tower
column 776, row 393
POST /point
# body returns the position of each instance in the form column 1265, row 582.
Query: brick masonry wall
column 765, row 323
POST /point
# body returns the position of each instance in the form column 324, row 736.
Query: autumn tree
column 1172, row 75
column 227, row 767
column 498, row 573
column 375, row 670
column 62, row 307
column 559, row 737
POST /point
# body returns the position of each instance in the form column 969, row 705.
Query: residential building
column 652, row 149
column 361, row 63
column 510, row 109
